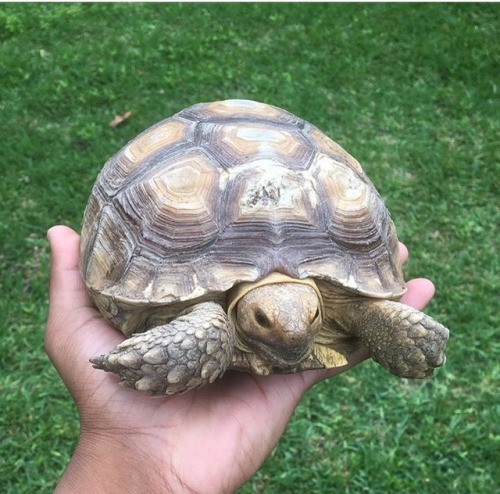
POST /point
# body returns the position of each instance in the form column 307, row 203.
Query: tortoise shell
column 228, row 192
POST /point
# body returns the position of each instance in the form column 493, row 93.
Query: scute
column 140, row 153
column 241, row 142
column 227, row 192
column 176, row 204
column 238, row 110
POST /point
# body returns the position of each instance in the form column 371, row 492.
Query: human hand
column 211, row 439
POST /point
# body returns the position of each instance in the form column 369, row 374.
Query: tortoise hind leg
column 188, row 352
column 405, row 341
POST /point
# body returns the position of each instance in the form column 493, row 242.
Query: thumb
column 66, row 286
column 75, row 330
column 68, row 299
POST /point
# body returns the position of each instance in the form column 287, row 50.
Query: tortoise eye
column 262, row 319
column 316, row 314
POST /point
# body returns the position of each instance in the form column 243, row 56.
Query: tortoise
column 235, row 235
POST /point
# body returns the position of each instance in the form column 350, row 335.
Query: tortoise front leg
column 188, row 352
column 405, row 341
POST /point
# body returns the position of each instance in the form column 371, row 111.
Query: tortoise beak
column 287, row 354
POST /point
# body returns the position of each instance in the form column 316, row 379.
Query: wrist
column 106, row 464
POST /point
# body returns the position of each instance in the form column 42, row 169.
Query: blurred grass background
column 410, row 90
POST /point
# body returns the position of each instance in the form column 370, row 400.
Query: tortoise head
column 279, row 319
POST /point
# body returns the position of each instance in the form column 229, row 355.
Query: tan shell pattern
column 231, row 191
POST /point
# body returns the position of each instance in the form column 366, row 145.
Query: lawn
column 410, row 90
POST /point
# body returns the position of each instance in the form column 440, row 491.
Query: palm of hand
column 209, row 439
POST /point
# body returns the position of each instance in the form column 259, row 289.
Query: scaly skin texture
column 189, row 352
column 279, row 322
column 277, row 325
column 403, row 340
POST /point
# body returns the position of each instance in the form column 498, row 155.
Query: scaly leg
column 188, row 352
column 405, row 341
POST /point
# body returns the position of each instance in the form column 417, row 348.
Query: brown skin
column 270, row 324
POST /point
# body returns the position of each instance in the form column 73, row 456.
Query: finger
column 67, row 289
column 75, row 330
column 67, row 294
column 315, row 376
column 419, row 294
column 72, row 315
column 403, row 252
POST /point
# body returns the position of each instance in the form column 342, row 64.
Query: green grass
column 410, row 90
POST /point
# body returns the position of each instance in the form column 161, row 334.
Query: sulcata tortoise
column 235, row 235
